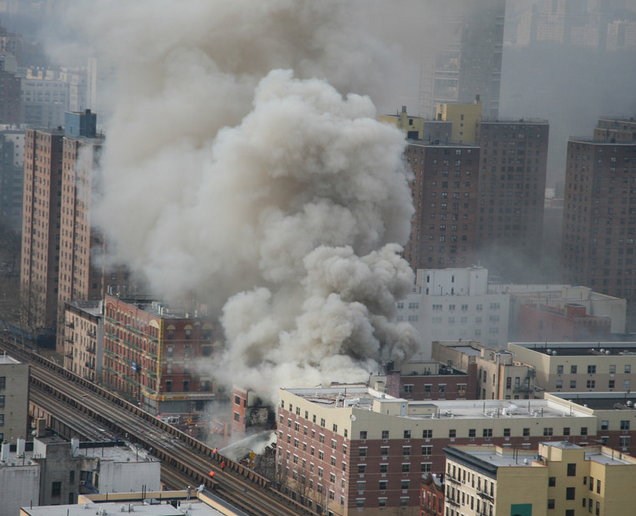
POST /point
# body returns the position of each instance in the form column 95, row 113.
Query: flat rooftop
column 366, row 398
column 597, row 349
column 106, row 452
column 195, row 508
column 6, row 359
column 600, row 400
column 499, row 457
column 466, row 350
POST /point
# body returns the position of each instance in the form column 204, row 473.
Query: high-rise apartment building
column 599, row 217
column 59, row 246
column 444, row 188
column 480, row 200
column 45, row 98
column 41, row 221
column 11, row 177
column 469, row 63
column 10, row 88
column 511, row 193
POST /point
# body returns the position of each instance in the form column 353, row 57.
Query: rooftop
column 194, row 506
column 600, row 400
column 597, row 349
column 90, row 307
column 366, row 398
column 501, row 457
column 107, row 451
column 6, row 359
column 495, row 455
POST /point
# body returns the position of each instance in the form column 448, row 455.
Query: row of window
column 592, row 369
column 479, row 307
column 591, row 384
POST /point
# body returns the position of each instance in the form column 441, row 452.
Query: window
column 426, row 466
column 384, row 468
column 571, row 470
column 625, row 424
column 552, row 481
column 569, row 493
column 406, row 450
column 471, row 432
column 382, row 485
column 573, row 369
column 385, row 434
column 628, row 368
column 526, row 432
column 551, row 503
column 427, row 434
column 591, row 369
column 427, row 450
column 405, row 484
column 487, row 432
column 559, row 369
column 506, row 432
column 584, row 430
column 363, row 434
column 598, row 486
column 384, row 451
column 407, row 434
column 572, row 384
column 566, row 430
column 452, row 433
column 406, row 467
column 2, row 400
column 547, row 431
column 56, row 489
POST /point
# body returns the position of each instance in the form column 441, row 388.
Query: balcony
column 484, row 494
column 452, row 479
column 450, row 501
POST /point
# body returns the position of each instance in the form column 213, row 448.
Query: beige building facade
column 557, row 478
column 14, row 398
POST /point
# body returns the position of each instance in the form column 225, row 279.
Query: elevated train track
column 89, row 410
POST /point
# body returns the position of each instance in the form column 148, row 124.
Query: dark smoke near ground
column 239, row 166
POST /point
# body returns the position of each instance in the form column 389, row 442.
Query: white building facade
column 455, row 304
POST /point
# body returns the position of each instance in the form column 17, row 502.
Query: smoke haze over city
column 244, row 163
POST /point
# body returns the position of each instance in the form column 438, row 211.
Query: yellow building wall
column 523, row 485
column 464, row 118
column 617, row 495
column 412, row 126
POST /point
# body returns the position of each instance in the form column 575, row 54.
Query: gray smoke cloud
column 235, row 167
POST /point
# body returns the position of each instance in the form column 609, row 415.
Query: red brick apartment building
column 41, row 221
column 444, row 188
column 355, row 448
column 541, row 323
column 152, row 355
column 512, row 180
column 432, row 495
column 430, row 380
column 599, row 216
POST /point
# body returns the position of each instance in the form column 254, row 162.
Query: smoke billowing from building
column 233, row 168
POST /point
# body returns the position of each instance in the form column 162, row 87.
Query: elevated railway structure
column 85, row 409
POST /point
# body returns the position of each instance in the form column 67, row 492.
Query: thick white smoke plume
column 233, row 169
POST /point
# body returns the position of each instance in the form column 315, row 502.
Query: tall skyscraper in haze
column 599, row 217
column 468, row 64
